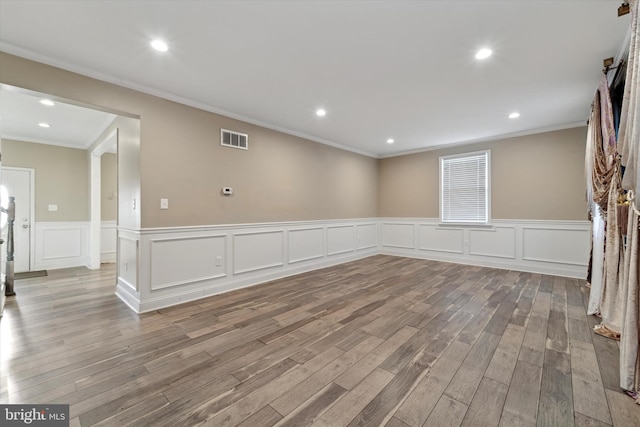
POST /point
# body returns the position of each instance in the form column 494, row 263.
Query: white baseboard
column 108, row 258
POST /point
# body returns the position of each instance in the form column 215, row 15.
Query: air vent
column 232, row 139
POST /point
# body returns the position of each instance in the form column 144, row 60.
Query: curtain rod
column 623, row 9
column 608, row 65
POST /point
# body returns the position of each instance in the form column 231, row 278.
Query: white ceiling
column 382, row 69
column 70, row 125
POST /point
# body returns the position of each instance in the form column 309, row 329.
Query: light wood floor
column 380, row 341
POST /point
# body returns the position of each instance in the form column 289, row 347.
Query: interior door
column 17, row 182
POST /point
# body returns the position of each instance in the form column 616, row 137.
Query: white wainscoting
column 108, row 241
column 199, row 258
column 162, row 267
column 340, row 239
column 568, row 245
column 258, row 250
column 398, row 234
column 436, row 239
column 548, row 247
column 306, row 244
column 129, row 268
column 367, row 235
column 66, row 244
column 187, row 263
column 61, row 244
column 497, row 242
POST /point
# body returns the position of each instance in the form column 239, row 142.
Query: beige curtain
column 629, row 144
column 612, row 299
column 602, row 186
column 592, row 157
column 629, row 362
column 597, row 260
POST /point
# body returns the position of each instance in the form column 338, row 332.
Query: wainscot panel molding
column 340, row 239
column 60, row 245
column 398, row 234
column 306, row 244
column 501, row 243
column 66, row 244
column 180, row 264
column 200, row 258
column 258, row 250
column 436, row 239
column 128, row 268
column 367, row 235
column 108, row 241
column 547, row 247
column 569, row 244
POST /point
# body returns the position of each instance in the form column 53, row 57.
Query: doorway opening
column 68, row 161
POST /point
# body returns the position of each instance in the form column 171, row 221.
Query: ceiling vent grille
column 232, row 139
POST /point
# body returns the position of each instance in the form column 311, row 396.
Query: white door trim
column 32, row 209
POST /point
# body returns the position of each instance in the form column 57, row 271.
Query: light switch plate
column 164, row 203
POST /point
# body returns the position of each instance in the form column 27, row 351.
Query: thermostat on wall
column 227, row 191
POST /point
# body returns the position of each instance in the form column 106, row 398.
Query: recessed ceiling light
column 159, row 45
column 483, row 53
column 320, row 112
column 47, row 102
column 44, row 125
column 390, row 141
column 514, row 115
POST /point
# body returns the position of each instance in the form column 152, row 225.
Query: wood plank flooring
column 380, row 341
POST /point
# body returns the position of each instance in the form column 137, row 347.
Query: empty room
column 319, row 213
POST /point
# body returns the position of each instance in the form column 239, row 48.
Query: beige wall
column 109, row 187
column 61, row 178
column 532, row 177
column 280, row 178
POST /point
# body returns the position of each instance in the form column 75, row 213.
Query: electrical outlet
column 218, row 261
column 126, row 266
column 164, row 203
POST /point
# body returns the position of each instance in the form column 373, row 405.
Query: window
column 465, row 195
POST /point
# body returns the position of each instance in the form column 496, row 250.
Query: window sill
column 445, row 225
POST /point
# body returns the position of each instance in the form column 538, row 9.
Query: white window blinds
column 464, row 188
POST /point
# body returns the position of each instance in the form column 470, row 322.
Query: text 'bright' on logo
column 34, row 415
